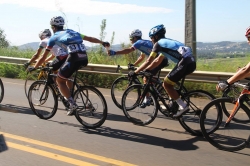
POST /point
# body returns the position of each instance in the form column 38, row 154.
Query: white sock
column 181, row 103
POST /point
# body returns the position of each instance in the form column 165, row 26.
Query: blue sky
column 216, row 20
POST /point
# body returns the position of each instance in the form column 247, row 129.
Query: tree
column 3, row 41
column 102, row 33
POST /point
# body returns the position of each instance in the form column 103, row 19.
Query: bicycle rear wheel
column 1, row 90
column 92, row 107
column 32, row 77
column 117, row 89
column 131, row 104
column 42, row 100
column 196, row 100
column 232, row 137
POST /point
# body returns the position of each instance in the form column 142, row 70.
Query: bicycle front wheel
column 117, row 89
column 42, row 100
column 196, row 100
column 231, row 137
column 92, row 107
column 132, row 105
column 32, row 77
column 1, row 90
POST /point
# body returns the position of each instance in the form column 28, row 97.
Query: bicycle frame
column 237, row 105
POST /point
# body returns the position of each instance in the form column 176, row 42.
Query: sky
column 216, row 20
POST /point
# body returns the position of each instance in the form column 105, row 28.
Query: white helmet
column 45, row 33
column 57, row 21
column 134, row 33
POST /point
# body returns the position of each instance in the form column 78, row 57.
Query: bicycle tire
column 92, row 108
column 44, row 109
column 233, row 93
column 1, row 90
column 131, row 100
column 117, row 89
column 32, row 77
column 197, row 100
column 220, row 137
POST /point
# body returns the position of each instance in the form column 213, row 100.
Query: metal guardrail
column 197, row 76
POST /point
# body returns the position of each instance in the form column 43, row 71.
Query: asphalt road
column 63, row 141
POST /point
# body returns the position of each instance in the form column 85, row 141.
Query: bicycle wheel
column 131, row 101
column 233, row 93
column 232, row 137
column 42, row 100
column 31, row 77
column 92, row 108
column 196, row 100
column 117, row 89
column 1, row 90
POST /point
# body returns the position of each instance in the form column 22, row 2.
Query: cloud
column 87, row 7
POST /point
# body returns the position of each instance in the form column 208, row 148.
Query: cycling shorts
column 163, row 64
column 73, row 62
column 184, row 67
column 57, row 62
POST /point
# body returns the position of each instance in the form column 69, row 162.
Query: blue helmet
column 157, row 30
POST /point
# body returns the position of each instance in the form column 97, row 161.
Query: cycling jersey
column 56, row 50
column 69, row 40
column 171, row 49
column 144, row 46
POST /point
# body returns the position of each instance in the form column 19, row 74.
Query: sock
column 181, row 103
column 70, row 99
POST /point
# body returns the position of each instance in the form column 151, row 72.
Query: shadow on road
column 15, row 109
column 182, row 145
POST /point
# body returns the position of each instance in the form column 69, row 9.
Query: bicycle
column 121, row 83
column 43, row 99
column 228, row 128
column 41, row 75
column 134, row 95
column 1, row 90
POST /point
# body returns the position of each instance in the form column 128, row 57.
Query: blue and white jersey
column 172, row 49
column 144, row 46
column 68, row 40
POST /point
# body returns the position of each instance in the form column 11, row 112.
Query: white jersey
column 56, row 50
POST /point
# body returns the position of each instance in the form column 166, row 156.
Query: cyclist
column 71, row 42
column 145, row 46
column 44, row 35
column 240, row 74
column 178, row 53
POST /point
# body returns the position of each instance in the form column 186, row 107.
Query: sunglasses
column 131, row 39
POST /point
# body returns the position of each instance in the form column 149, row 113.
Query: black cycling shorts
column 73, row 62
column 184, row 67
column 57, row 63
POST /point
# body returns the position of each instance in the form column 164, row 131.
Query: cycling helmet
column 57, row 21
column 247, row 32
column 45, row 32
column 157, row 30
column 134, row 33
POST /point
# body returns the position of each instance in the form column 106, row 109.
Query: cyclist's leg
column 72, row 64
column 184, row 67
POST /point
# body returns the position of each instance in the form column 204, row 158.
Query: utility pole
column 190, row 25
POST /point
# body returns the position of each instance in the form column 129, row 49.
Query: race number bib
column 76, row 48
column 185, row 51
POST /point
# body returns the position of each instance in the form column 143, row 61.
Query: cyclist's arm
column 91, row 39
column 241, row 74
column 36, row 55
column 125, row 51
column 49, row 58
column 156, row 62
column 140, row 59
column 42, row 58
column 146, row 63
